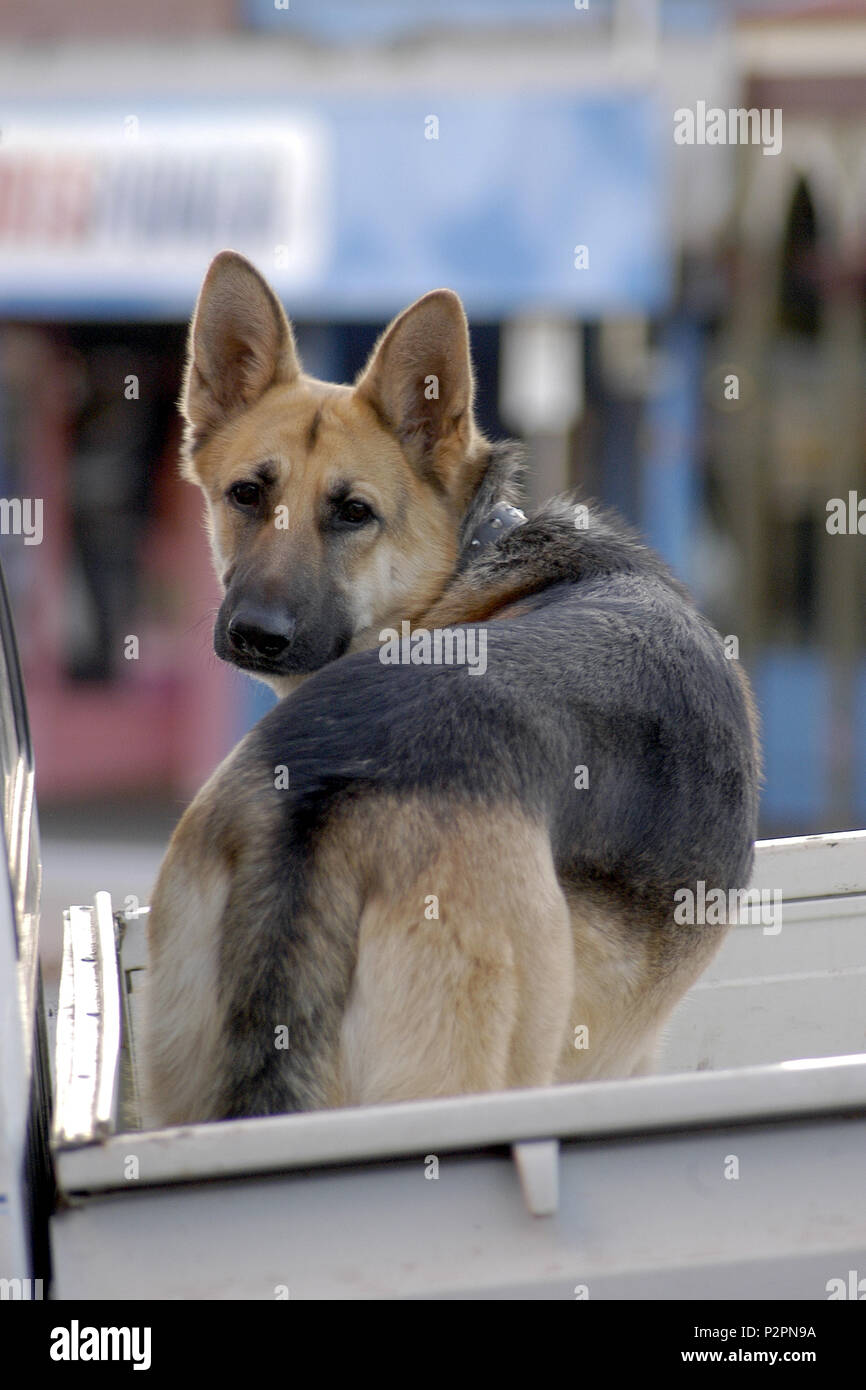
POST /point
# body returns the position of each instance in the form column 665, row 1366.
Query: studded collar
column 496, row 524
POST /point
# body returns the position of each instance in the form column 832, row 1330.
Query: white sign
column 141, row 206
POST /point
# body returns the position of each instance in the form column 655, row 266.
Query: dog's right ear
column 240, row 343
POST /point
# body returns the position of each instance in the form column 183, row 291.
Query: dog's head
column 333, row 511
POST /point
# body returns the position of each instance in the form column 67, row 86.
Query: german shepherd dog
column 446, row 861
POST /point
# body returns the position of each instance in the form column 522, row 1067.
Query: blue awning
column 351, row 207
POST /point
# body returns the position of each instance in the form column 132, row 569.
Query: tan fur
column 183, row 1052
column 629, row 981
column 465, row 966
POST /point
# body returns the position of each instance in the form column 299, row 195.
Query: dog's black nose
column 260, row 632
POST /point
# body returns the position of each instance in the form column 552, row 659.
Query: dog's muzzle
column 260, row 635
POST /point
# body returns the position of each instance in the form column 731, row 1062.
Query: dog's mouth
column 256, row 666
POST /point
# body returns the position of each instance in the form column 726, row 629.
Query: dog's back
column 432, row 878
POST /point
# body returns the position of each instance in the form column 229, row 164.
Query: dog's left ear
column 419, row 382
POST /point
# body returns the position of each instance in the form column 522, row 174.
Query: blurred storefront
column 615, row 281
column 792, row 322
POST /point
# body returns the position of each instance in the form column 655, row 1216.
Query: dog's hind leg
column 464, row 971
column 408, row 948
column 629, row 975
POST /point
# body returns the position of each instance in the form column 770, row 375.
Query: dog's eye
column 246, row 494
column 354, row 512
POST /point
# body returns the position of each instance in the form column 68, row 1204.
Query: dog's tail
column 252, row 944
column 287, row 954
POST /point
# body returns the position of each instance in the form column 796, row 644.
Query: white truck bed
column 738, row 1173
